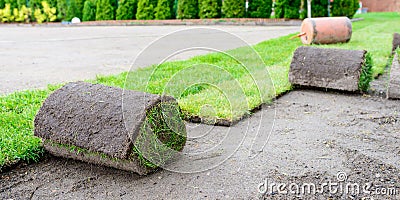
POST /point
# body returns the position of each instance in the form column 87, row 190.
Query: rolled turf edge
column 109, row 126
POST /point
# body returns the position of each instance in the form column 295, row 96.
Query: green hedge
column 259, row 8
column 233, row 8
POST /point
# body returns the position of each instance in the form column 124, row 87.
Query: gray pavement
column 32, row 57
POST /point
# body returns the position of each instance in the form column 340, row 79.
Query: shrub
column 345, row 8
column 145, row 10
column 209, row 9
column 260, row 8
column 2, row 4
column 22, row 14
column 104, row 10
column 89, row 11
column 163, row 10
column 233, row 8
column 187, row 9
column 126, row 9
column 287, row 9
column 49, row 12
column 62, row 8
column 319, row 8
column 6, row 14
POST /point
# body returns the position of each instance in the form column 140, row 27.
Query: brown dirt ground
column 316, row 135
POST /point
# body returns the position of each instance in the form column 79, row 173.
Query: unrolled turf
column 110, row 126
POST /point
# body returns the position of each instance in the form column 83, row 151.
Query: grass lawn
column 239, row 84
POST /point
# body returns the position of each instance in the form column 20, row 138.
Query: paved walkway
column 32, row 57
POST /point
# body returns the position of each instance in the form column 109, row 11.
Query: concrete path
column 32, row 57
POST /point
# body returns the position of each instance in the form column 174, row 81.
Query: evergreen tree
column 89, row 11
column 209, row 9
column 62, row 8
column 79, row 7
column 233, row 8
column 163, row 10
column 260, row 8
column 145, row 10
column 187, row 9
column 72, row 10
column 104, row 10
column 287, row 9
column 126, row 9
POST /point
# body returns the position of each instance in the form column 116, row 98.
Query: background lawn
column 240, row 83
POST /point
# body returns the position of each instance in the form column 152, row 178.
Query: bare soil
column 316, row 134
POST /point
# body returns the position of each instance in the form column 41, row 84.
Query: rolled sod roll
column 396, row 42
column 346, row 70
column 394, row 82
column 111, row 126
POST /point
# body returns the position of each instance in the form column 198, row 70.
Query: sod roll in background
column 396, row 42
column 110, row 126
column 339, row 69
column 394, row 82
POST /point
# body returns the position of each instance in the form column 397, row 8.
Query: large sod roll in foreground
column 394, row 83
column 346, row 70
column 110, row 126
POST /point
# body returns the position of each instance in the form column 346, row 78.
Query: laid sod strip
column 346, row 70
column 374, row 34
column 106, row 125
column 394, row 81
